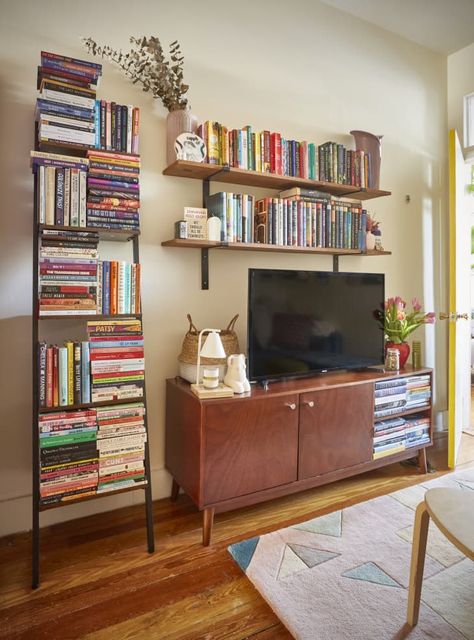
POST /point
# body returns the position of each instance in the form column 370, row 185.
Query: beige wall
column 299, row 67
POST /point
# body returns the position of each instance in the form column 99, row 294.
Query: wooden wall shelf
column 275, row 248
column 231, row 175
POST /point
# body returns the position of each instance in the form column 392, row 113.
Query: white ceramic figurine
column 235, row 378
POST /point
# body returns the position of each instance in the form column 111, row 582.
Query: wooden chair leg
column 420, row 536
column 174, row 491
column 207, row 522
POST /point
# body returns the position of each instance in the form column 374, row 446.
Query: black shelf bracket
column 205, row 252
column 335, row 263
column 205, row 269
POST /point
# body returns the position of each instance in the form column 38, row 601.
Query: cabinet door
column 249, row 445
column 336, row 427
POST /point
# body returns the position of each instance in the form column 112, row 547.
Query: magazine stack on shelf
column 389, row 437
column 390, row 397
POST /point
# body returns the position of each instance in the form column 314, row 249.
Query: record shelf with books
column 89, row 423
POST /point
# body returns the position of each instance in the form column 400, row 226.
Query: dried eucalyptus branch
column 146, row 64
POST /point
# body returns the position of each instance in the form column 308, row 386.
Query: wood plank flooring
column 99, row 583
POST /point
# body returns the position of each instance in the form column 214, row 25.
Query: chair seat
column 452, row 510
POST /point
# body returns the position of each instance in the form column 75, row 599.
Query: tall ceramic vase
column 178, row 121
column 370, row 143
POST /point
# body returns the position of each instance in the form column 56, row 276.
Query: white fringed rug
column 345, row 575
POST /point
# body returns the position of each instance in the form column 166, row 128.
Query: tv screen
column 305, row 322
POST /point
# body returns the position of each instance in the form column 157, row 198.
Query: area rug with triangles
column 345, row 574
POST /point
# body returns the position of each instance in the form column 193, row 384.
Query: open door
column 459, row 382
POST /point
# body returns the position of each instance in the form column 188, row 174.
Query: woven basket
column 189, row 350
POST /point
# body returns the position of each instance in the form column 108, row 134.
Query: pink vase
column 370, row 143
column 403, row 349
column 177, row 122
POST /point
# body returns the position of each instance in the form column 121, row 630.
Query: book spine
column 49, row 376
column 97, row 122
column 100, row 282
column 121, row 300
column 74, row 208
column 82, row 199
column 67, row 195
column 42, row 347
column 138, row 288
column 63, row 372
column 113, row 287
column 41, row 195
column 77, row 373
column 59, row 197
column 55, row 377
column 108, row 126
column 70, row 372
column 50, row 192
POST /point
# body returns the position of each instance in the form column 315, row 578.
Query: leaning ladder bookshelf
column 104, row 235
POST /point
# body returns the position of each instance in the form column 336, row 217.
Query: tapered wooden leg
column 207, row 522
column 174, row 491
column 420, row 536
column 422, row 461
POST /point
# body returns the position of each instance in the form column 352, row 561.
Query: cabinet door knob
column 309, row 403
column 292, row 405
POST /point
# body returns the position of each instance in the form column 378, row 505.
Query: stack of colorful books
column 68, row 456
column 121, row 441
column 113, row 197
column 389, row 437
column 66, row 107
column 117, row 360
column 116, row 126
column 236, row 212
column 268, row 152
column 64, row 374
column 417, row 430
column 390, row 397
column 61, row 188
column 418, row 391
column 118, row 288
column 68, row 262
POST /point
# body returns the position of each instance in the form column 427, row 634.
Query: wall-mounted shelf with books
column 113, row 235
column 232, row 175
column 89, row 422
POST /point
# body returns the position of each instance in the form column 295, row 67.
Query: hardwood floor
column 98, row 582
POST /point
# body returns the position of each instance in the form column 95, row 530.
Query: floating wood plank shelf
column 232, row 175
column 88, row 405
column 112, row 235
column 255, row 246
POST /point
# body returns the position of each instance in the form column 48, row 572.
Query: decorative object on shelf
column 180, row 122
column 189, row 146
column 196, row 219
column 371, row 144
column 181, row 229
column 373, row 232
column 146, row 64
column 392, row 359
column 416, row 354
column 397, row 324
column 212, row 348
column 214, row 228
column 187, row 359
column 236, row 377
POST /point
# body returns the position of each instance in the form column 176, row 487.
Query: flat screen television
column 306, row 322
